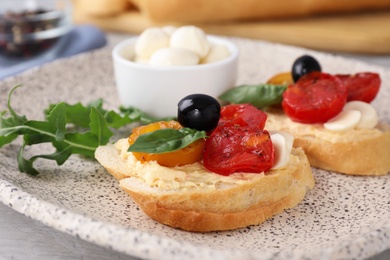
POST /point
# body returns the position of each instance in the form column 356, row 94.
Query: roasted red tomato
column 234, row 148
column 362, row 86
column 315, row 98
column 243, row 114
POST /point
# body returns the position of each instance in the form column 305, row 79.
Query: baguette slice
column 203, row 201
column 354, row 152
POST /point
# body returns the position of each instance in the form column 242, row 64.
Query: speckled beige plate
column 342, row 217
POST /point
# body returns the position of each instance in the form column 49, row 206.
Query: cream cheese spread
column 280, row 122
column 180, row 177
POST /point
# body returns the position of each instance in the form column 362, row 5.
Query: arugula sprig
column 78, row 114
column 71, row 129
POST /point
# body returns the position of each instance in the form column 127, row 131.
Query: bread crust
column 217, row 10
column 223, row 208
column 204, row 221
column 356, row 152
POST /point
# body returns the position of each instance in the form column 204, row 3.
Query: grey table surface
column 25, row 238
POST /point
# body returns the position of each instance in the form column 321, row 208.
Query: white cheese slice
column 369, row 117
column 345, row 120
column 283, row 143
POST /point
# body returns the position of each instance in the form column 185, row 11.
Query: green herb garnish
column 166, row 140
column 261, row 96
column 71, row 129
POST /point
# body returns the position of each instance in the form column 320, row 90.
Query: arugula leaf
column 78, row 114
column 16, row 119
column 99, row 127
column 80, row 143
column 7, row 139
column 262, row 95
column 25, row 165
column 135, row 114
column 166, row 140
column 8, row 132
column 57, row 118
column 91, row 128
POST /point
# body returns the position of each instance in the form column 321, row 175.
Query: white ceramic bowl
column 157, row 90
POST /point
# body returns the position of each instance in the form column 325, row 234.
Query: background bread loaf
column 342, row 26
column 233, row 10
column 102, row 8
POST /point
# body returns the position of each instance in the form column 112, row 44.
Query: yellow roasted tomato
column 187, row 155
column 284, row 78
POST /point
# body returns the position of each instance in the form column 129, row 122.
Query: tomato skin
column 363, row 86
column 315, row 98
column 239, row 143
column 244, row 115
column 234, row 148
column 187, row 155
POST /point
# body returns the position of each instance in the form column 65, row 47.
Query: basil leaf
column 262, row 95
column 166, row 140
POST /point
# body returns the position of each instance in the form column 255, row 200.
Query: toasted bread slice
column 353, row 152
column 194, row 199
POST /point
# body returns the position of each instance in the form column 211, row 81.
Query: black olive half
column 198, row 111
column 303, row 65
